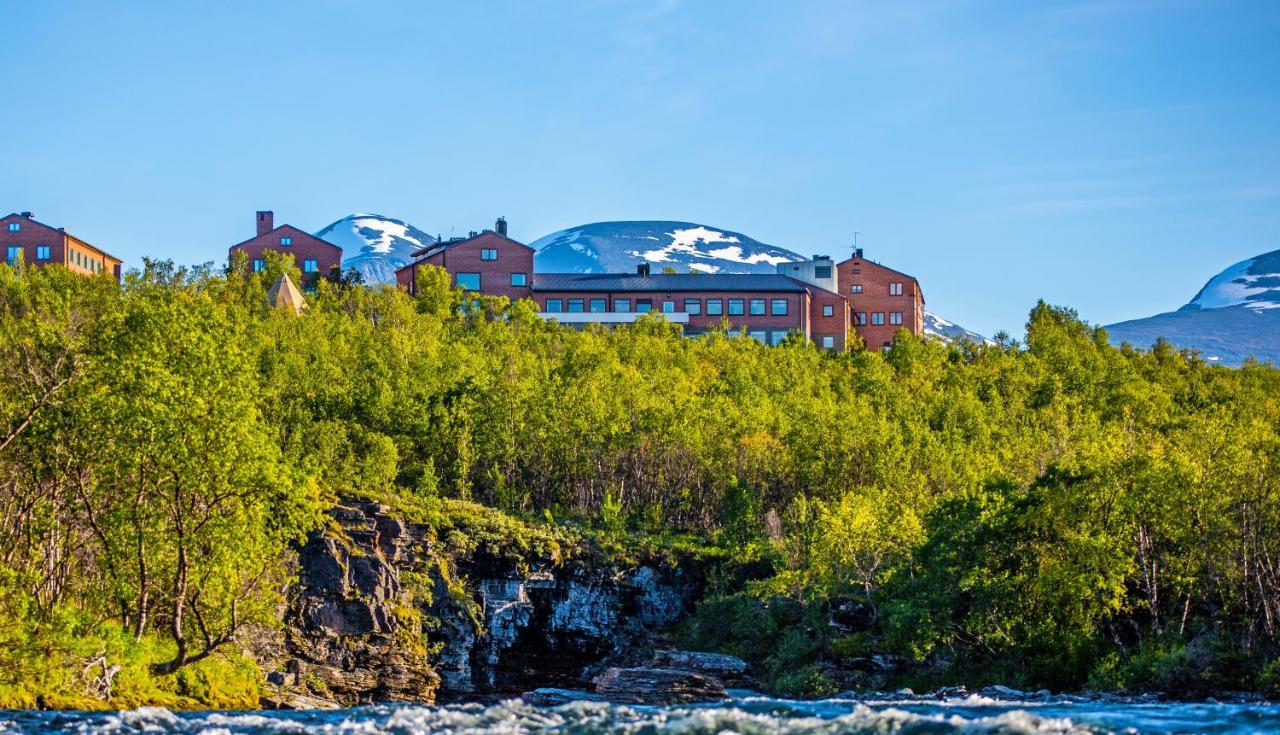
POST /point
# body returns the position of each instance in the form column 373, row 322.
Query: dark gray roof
column 666, row 282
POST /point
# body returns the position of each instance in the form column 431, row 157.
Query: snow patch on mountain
column 936, row 326
column 1254, row 283
column 614, row 247
column 374, row 245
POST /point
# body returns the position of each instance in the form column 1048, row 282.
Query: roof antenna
column 857, row 252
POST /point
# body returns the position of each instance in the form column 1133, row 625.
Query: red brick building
column 38, row 244
column 315, row 257
column 488, row 262
column 815, row 298
column 881, row 299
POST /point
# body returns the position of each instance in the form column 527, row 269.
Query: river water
column 748, row 715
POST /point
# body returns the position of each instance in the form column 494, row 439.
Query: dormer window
column 15, row 226
column 286, row 242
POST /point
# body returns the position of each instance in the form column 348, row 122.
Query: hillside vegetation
column 1048, row 512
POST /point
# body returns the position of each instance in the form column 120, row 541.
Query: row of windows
column 715, row 307
column 471, row 281
column 895, row 288
column 308, row 266
column 877, row 318
column 43, row 252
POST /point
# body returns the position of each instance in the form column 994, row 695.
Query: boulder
column 552, row 697
column 658, row 686
column 722, row 667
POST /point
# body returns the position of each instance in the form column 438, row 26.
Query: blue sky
column 1110, row 155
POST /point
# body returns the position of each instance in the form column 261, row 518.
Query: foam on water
column 746, row 715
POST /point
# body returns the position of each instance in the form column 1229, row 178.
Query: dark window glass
column 822, row 271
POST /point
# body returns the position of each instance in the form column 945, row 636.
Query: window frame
column 644, row 306
column 828, row 342
column 693, row 307
column 554, row 306
column 286, row 241
column 895, row 288
column 524, row 280
column 15, row 227
column 457, row 281
column 855, row 288
column 622, row 306
column 877, row 318
column 576, row 306
column 715, row 307
column 737, row 307
column 773, row 307
column 593, row 303
column 310, row 265
column 754, row 304
column 895, row 318
column 44, row 252
column 489, row 255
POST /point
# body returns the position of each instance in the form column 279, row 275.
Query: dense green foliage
column 1055, row 512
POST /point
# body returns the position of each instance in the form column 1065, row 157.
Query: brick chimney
column 266, row 222
column 643, row 270
column 500, row 226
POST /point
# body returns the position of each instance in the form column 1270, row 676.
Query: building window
column 877, row 318
column 597, row 306
column 778, row 307
column 822, row 271
column 42, row 252
column 736, row 307
column 895, row 317
column 622, row 306
column 860, row 318
column 15, row 226
column 554, row 306
column 488, row 254
column 762, row 337
column 310, row 266
column 828, row 310
column 855, row 288
column 757, row 307
column 895, row 289
column 828, row 342
column 576, row 306
column 693, row 306
column 519, row 279
column 776, row 336
column 258, row 265
column 286, row 242
column 644, row 306
column 468, row 281
column 11, row 255
column 668, row 307
column 715, row 307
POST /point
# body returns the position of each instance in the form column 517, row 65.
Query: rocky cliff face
column 382, row 613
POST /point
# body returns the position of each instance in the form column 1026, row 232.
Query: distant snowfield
column 1241, row 284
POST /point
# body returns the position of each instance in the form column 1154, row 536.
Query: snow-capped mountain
column 936, row 326
column 613, row 247
column 375, row 245
column 617, row 247
column 1234, row 317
